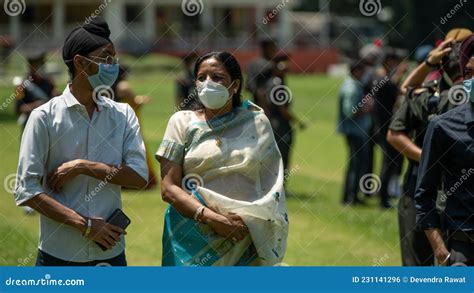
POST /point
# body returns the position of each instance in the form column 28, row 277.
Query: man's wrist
column 432, row 64
column 444, row 259
column 80, row 223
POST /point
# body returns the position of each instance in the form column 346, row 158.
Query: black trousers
column 284, row 138
column 391, row 166
column 415, row 247
column 45, row 259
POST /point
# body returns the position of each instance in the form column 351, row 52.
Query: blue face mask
column 468, row 87
column 106, row 76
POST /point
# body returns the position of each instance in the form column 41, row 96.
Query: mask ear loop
column 231, row 84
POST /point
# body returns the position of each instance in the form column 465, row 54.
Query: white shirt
column 61, row 131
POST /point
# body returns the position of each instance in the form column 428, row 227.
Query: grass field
column 322, row 231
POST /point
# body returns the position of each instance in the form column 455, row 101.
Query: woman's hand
column 229, row 226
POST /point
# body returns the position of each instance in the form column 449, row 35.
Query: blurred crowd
column 385, row 103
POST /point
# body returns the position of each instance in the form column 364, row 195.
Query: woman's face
column 214, row 70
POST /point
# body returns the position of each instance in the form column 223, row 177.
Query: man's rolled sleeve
column 399, row 120
column 134, row 155
column 33, row 155
column 429, row 176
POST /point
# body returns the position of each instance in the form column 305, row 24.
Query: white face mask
column 213, row 95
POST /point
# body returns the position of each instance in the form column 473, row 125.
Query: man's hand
column 435, row 56
column 104, row 233
column 65, row 172
column 441, row 254
column 437, row 244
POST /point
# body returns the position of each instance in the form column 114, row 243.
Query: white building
column 162, row 25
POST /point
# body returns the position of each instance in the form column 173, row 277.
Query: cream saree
column 232, row 165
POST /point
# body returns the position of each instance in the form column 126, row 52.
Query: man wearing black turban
column 448, row 160
column 86, row 39
column 76, row 152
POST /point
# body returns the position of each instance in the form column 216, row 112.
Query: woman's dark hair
column 232, row 67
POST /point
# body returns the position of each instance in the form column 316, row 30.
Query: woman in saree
column 222, row 174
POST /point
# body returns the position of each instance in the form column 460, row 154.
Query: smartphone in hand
column 117, row 218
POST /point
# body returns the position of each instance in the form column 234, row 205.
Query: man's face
column 469, row 69
column 392, row 63
column 270, row 51
column 100, row 55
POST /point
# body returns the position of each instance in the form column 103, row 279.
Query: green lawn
column 322, row 231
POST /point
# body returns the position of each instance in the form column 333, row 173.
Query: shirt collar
column 71, row 101
column 469, row 115
column 69, row 98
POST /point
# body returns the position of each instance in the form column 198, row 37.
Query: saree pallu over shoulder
column 171, row 150
column 243, row 175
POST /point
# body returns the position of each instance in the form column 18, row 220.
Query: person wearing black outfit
column 185, row 91
column 36, row 90
column 387, row 83
column 260, row 72
column 267, row 83
column 448, row 159
column 406, row 134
